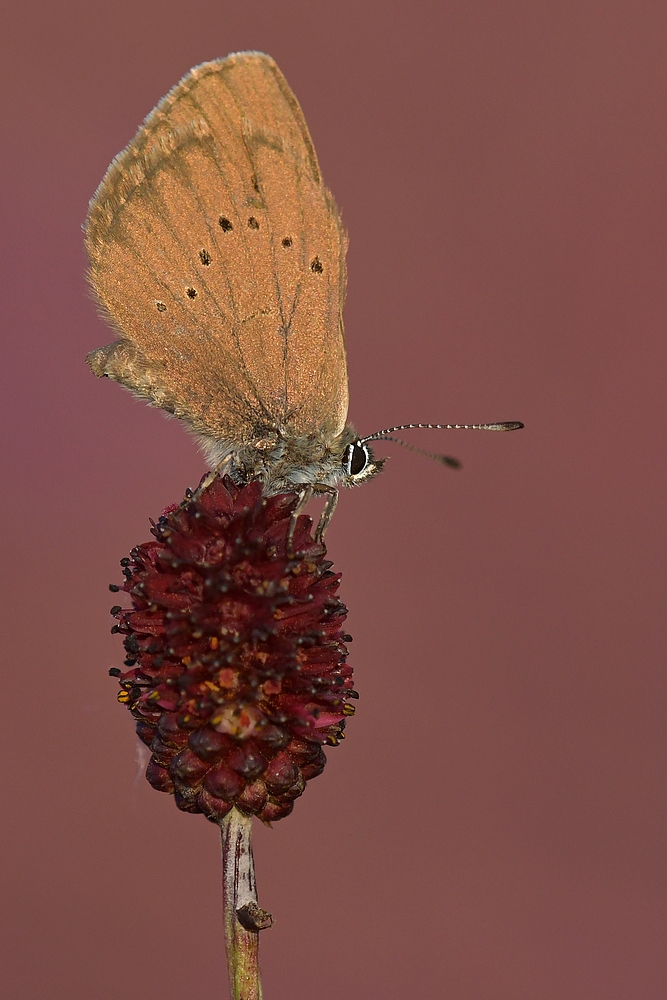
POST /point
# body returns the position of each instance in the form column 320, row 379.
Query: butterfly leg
column 328, row 512
column 305, row 495
column 224, row 466
column 220, row 471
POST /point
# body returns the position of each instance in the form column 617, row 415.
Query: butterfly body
column 285, row 461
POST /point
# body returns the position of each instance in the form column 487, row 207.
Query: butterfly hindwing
column 220, row 258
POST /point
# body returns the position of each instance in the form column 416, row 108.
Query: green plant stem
column 239, row 890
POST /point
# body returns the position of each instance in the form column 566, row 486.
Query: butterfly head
column 347, row 460
column 359, row 463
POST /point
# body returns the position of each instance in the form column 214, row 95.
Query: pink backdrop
column 493, row 827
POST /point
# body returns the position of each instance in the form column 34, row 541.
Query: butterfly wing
column 219, row 256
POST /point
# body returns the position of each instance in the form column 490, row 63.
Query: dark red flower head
column 238, row 642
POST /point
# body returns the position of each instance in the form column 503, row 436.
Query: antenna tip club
column 506, row 425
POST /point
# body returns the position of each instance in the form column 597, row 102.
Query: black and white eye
column 356, row 459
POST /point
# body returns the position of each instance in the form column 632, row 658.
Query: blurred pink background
column 494, row 825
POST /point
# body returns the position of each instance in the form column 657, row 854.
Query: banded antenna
column 448, row 460
column 505, row 425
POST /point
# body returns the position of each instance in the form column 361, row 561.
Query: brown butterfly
column 218, row 255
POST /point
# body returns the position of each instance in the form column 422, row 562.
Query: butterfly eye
column 356, row 459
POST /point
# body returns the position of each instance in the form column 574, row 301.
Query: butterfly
column 218, row 255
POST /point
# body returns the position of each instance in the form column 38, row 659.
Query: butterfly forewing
column 220, row 257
